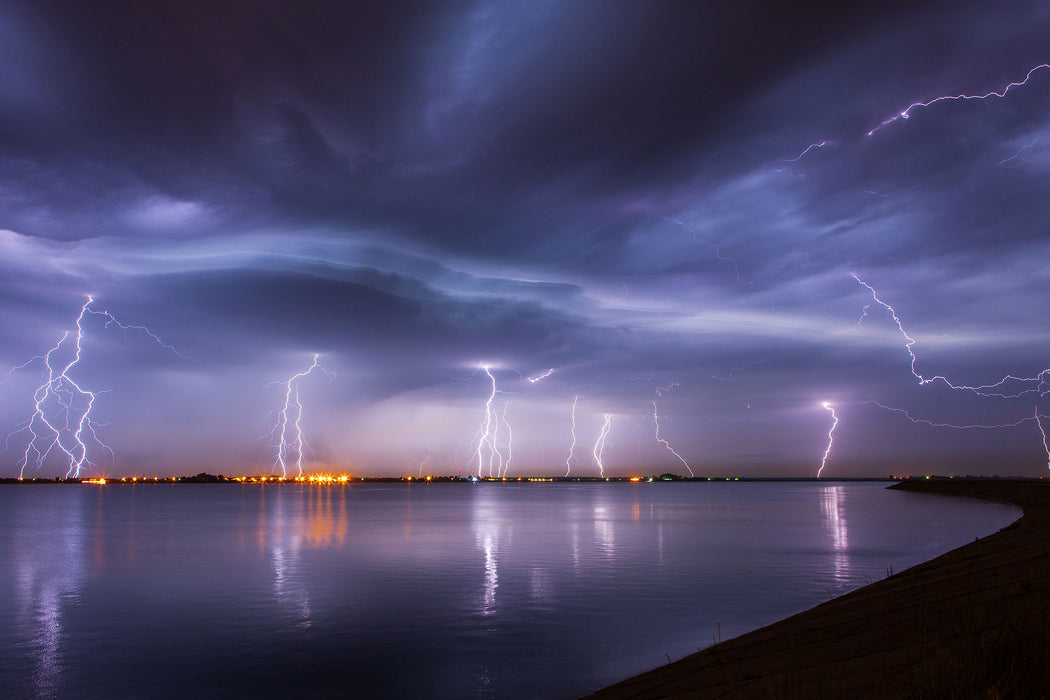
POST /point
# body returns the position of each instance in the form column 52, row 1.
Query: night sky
column 623, row 192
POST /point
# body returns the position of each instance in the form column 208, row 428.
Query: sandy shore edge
column 974, row 622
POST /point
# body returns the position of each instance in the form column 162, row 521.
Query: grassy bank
column 974, row 622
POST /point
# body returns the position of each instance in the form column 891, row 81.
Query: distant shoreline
column 204, row 478
column 974, row 622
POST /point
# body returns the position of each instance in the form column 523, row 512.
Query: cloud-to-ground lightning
column 423, row 463
column 510, row 440
column 599, row 445
column 995, row 389
column 572, row 435
column 62, row 406
column 656, row 422
column 487, row 432
column 291, row 420
column 831, row 437
column 907, row 111
column 491, row 455
column 1042, row 431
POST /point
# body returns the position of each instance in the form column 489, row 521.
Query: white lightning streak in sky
column 71, row 417
column 286, row 445
column 809, row 148
column 572, row 432
column 831, row 439
column 1036, row 418
column 906, row 112
column 712, row 246
column 510, row 440
column 982, row 390
column 1043, row 432
column 541, row 376
column 656, row 422
column 489, row 450
column 599, row 446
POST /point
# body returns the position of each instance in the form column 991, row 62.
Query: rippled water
column 439, row 590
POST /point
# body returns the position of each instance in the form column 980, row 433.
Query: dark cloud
column 617, row 192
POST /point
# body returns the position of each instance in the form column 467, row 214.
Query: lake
column 489, row 590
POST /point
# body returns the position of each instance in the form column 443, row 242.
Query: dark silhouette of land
column 205, row 478
column 974, row 622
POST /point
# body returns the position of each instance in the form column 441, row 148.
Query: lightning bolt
column 291, row 420
column 906, row 112
column 988, row 390
column 510, row 440
column 423, row 463
column 486, row 436
column 599, row 446
column 1021, row 150
column 62, row 408
column 712, row 246
column 1035, row 417
column 541, row 376
column 656, row 422
column 572, row 432
column 490, row 451
column 661, row 390
column 808, row 148
column 831, row 438
column 953, row 426
column 1042, row 431
column 732, row 370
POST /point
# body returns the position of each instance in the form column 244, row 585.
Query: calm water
column 442, row 590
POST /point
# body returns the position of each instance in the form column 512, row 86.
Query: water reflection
column 604, row 533
column 310, row 517
column 324, row 524
column 541, row 588
column 501, row 591
column 489, row 529
column 833, row 508
column 49, row 575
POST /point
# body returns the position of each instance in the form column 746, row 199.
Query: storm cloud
column 662, row 202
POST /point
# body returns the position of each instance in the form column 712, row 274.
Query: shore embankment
column 974, row 622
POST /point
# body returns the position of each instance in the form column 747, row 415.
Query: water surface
column 436, row 590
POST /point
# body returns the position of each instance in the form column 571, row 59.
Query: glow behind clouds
column 597, row 201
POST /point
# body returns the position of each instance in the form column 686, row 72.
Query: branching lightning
column 1035, row 418
column 712, row 246
column 831, row 437
column 990, row 390
column 954, row 426
column 290, row 420
column 62, row 407
column 656, row 422
column 1042, row 431
column 572, row 433
column 906, row 113
column 1025, row 385
column 599, row 445
column 491, row 455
